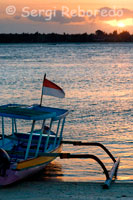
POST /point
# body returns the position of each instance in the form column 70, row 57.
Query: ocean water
column 98, row 82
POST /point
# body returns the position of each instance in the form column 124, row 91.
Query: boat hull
column 27, row 168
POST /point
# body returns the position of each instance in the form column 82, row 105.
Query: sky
column 59, row 16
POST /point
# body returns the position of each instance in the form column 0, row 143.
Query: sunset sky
column 75, row 16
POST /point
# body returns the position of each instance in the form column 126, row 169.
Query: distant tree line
column 98, row 36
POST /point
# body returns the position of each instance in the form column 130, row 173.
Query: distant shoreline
column 54, row 38
column 62, row 43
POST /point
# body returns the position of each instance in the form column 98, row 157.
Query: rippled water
column 97, row 79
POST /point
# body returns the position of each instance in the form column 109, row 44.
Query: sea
column 98, row 82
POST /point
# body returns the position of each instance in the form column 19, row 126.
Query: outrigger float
column 27, row 152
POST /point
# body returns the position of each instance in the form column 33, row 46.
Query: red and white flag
column 51, row 89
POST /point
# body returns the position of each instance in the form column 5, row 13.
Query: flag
column 51, row 89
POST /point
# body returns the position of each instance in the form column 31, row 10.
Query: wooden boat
column 21, row 154
column 25, row 152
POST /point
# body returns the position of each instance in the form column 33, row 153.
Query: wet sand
column 51, row 190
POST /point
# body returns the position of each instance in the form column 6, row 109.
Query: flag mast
column 42, row 89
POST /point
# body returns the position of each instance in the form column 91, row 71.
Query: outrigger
column 23, row 153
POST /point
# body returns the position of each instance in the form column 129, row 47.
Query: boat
column 21, row 154
column 32, row 137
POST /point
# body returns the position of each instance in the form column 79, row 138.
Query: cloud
column 20, row 26
column 127, row 13
column 89, row 16
column 56, row 17
column 106, row 14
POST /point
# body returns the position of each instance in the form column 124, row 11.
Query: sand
column 49, row 190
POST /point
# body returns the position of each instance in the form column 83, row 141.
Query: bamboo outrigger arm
column 109, row 175
column 80, row 143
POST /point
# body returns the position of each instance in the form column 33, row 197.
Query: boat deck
column 18, row 151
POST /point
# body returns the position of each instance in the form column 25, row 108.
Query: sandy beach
column 66, row 190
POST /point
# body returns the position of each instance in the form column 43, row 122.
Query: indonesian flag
column 51, row 89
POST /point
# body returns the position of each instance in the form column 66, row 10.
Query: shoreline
column 49, row 190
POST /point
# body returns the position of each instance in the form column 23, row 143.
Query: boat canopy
column 33, row 112
column 24, row 112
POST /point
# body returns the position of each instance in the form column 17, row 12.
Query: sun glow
column 121, row 24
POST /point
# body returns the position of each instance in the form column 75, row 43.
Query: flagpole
column 42, row 90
